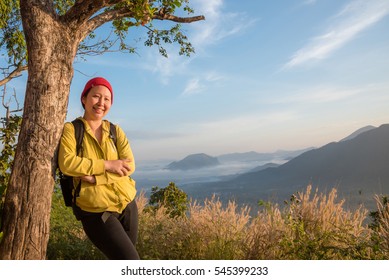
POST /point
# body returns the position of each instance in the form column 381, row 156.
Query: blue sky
column 266, row 75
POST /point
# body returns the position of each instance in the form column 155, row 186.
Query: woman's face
column 97, row 103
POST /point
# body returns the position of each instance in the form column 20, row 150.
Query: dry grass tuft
column 311, row 226
column 382, row 230
column 320, row 228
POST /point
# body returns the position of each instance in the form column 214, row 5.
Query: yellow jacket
column 111, row 191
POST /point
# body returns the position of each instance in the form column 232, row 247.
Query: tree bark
column 51, row 51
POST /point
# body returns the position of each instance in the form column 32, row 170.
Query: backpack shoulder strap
column 79, row 133
column 112, row 133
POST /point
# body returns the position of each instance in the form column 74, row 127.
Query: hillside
column 195, row 161
column 358, row 168
column 359, row 131
column 254, row 156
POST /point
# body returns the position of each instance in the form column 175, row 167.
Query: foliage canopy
column 121, row 14
column 174, row 200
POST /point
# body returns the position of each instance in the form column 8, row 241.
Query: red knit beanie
column 98, row 81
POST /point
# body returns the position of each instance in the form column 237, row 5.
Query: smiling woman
column 104, row 196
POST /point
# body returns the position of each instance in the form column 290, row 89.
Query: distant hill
column 359, row 131
column 194, row 161
column 254, row 156
column 263, row 167
column 358, row 168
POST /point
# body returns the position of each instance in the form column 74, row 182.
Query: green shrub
column 380, row 226
column 67, row 238
column 174, row 200
column 9, row 132
column 320, row 228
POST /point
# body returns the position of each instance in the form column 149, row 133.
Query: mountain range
column 201, row 160
column 357, row 166
column 254, row 156
column 194, row 161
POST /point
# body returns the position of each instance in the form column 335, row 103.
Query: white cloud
column 218, row 24
column 326, row 94
column 354, row 18
column 244, row 124
column 151, row 135
column 220, row 136
column 201, row 83
column 318, row 95
column 193, row 87
column 309, row 2
column 330, row 93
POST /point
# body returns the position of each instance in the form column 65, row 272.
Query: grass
column 310, row 226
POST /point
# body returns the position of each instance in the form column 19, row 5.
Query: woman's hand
column 119, row 166
column 89, row 179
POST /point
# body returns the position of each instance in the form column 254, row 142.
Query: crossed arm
column 95, row 170
column 119, row 166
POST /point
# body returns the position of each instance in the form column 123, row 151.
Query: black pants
column 114, row 234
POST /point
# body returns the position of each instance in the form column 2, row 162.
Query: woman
column 106, row 200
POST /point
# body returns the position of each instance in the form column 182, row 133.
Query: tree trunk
column 51, row 50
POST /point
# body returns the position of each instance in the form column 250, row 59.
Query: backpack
column 66, row 182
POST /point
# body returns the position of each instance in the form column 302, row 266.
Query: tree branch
column 99, row 48
column 160, row 16
column 18, row 109
column 84, row 15
column 15, row 73
column 7, row 107
column 105, row 17
column 114, row 14
column 82, row 10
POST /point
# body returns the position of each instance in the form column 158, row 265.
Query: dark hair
column 84, row 96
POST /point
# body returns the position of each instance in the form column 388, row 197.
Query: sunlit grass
column 311, row 225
